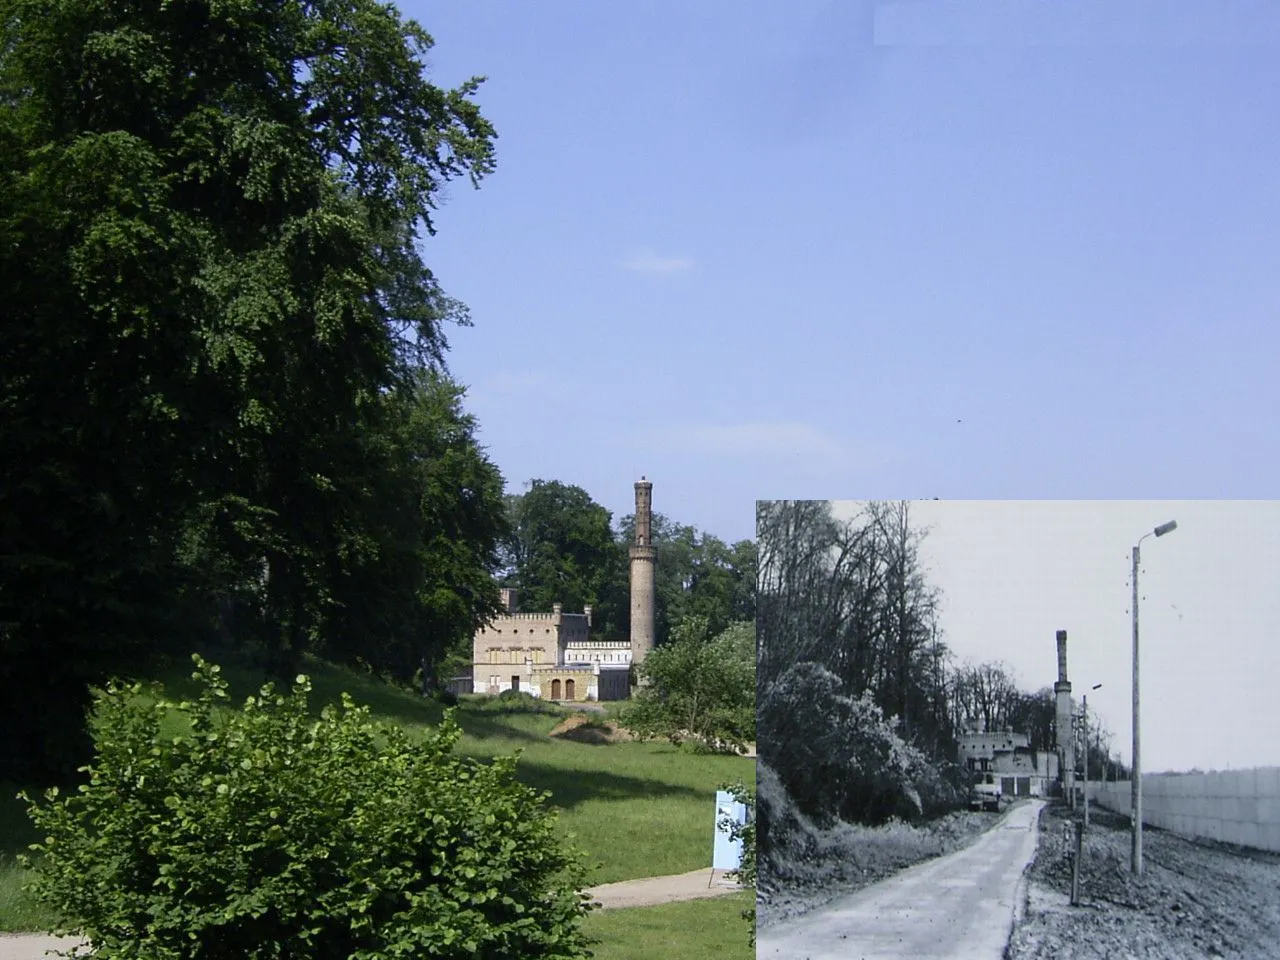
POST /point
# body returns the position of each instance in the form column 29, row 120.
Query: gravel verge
column 1194, row 898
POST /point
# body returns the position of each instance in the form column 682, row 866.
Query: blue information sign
column 727, row 852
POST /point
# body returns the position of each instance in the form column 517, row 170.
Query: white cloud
column 652, row 264
column 774, row 440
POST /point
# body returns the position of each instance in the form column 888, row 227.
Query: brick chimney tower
column 642, row 553
column 1063, row 714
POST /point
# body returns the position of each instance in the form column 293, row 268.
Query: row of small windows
column 569, row 632
column 498, row 656
column 535, row 654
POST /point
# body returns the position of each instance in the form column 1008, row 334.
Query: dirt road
column 957, row 906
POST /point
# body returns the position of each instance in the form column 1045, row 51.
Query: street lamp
column 1135, row 863
column 1085, row 739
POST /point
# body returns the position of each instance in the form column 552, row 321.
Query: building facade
column 553, row 655
column 1021, row 771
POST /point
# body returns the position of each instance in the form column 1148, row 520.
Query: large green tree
column 209, row 261
column 424, row 580
column 562, row 550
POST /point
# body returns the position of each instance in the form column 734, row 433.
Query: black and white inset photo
column 1017, row 729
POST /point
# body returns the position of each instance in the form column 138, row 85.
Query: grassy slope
column 694, row 928
column 638, row 809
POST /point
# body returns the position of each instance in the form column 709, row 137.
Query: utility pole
column 1135, row 864
column 1084, row 700
column 1085, row 739
column 1135, row 780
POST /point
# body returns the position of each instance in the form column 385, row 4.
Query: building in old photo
column 1019, row 770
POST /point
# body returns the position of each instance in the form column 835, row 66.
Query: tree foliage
column 216, row 310
column 837, row 754
column 263, row 832
column 852, row 596
column 425, row 582
column 698, row 688
column 562, row 550
column 697, row 575
column 565, row 549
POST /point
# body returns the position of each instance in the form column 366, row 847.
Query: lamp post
column 1135, row 860
column 1085, row 740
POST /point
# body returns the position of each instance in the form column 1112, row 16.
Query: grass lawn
column 636, row 809
column 16, row 832
column 694, row 928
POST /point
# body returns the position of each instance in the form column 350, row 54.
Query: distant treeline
column 566, row 548
column 860, row 699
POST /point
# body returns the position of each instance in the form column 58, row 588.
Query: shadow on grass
column 480, row 718
column 568, row 788
column 17, row 832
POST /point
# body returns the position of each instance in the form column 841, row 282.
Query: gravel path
column 1194, row 899
column 24, row 946
column 646, row 892
column 694, row 885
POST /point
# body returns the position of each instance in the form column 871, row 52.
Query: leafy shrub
column 265, row 832
column 516, row 701
column 699, row 689
column 837, row 755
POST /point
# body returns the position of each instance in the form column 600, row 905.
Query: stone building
column 553, row 655
column 1022, row 772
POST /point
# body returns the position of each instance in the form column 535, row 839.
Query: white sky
column 1013, row 573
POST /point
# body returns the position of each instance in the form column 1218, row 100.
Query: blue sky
column 855, row 250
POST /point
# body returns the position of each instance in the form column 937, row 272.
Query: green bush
column 698, row 689
column 517, row 701
column 836, row 754
column 265, row 832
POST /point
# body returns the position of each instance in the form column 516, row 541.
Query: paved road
column 957, row 907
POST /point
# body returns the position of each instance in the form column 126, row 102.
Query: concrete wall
column 1235, row 806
